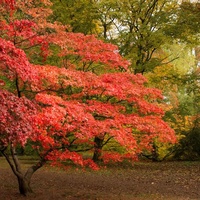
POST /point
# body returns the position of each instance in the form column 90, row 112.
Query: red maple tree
column 65, row 110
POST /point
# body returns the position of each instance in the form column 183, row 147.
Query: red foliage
column 73, row 106
column 90, row 49
column 9, row 4
column 13, row 62
column 17, row 119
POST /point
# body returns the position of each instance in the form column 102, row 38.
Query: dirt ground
column 144, row 180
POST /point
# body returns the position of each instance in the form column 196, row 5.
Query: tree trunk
column 24, row 186
column 97, row 148
column 155, row 155
column 23, row 180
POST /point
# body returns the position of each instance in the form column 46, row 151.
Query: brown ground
column 170, row 181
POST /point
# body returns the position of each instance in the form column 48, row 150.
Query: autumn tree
column 80, row 15
column 179, row 83
column 186, row 29
column 61, row 110
column 188, row 147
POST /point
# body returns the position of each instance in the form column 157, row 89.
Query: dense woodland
column 92, row 81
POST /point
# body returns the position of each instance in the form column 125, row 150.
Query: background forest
column 82, row 81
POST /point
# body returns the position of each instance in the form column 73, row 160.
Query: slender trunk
column 24, row 186
column 97, row 148
column 105, row 31
column 155, row 155
column 23, row 180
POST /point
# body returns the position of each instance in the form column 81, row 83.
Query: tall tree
column 80, row 15
column 179, row 83
column 186, row 28
column 142, row 32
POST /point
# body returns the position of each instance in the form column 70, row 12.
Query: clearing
column 143, row 180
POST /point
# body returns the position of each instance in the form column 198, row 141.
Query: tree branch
column 11, row 164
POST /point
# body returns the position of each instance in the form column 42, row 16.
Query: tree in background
column 179, row 83
column 80, row 15
column 142, row 31
column 188, row 147
column 139, row 28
